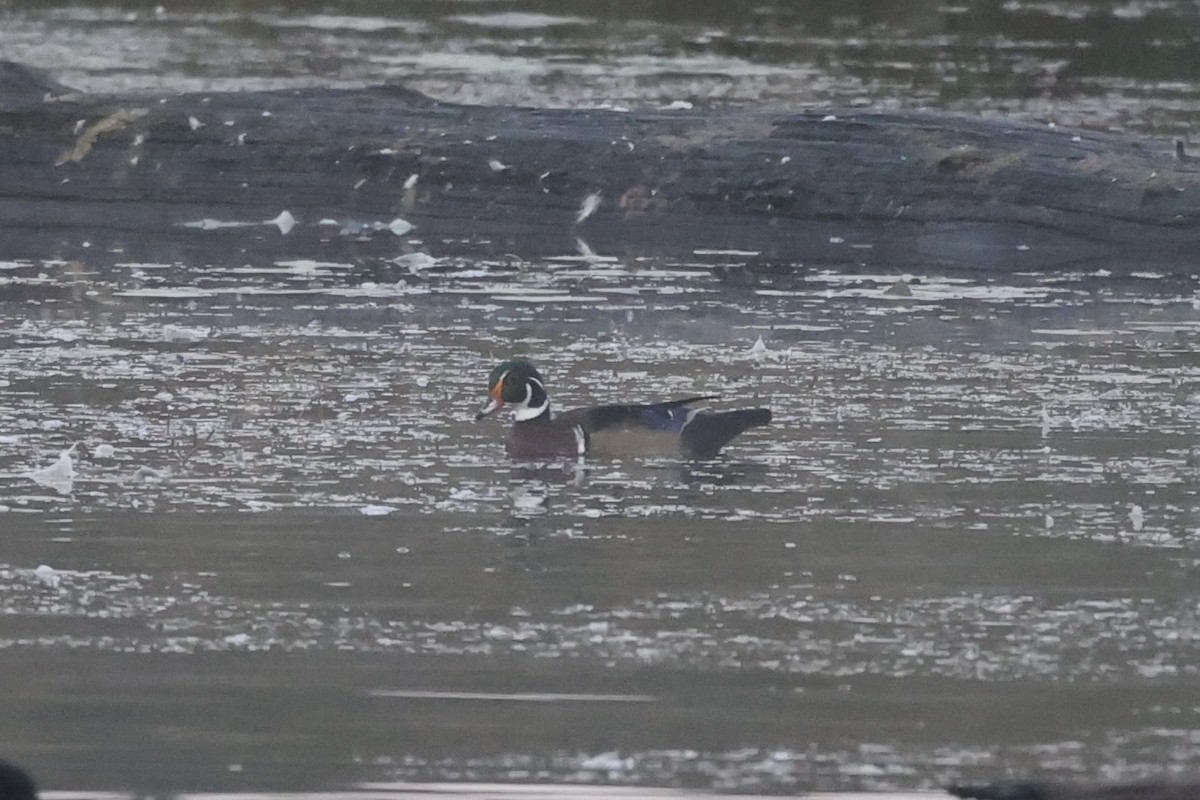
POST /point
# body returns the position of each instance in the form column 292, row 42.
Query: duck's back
column 673, row 428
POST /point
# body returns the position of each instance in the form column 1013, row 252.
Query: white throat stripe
column 525, row 411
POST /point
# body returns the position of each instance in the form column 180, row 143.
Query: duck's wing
column 669, row 416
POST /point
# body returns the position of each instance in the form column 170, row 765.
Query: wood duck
column 673, row 428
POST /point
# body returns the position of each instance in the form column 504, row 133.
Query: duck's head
column 516, row 382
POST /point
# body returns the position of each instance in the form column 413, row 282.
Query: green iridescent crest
column 517, row 367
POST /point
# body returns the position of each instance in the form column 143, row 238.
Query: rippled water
column 287, row 557
column 251, row 540
column 1123, row 65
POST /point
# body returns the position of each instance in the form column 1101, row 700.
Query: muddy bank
column 232, row 178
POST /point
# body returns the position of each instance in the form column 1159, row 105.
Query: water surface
column 281, row 556
column 1119, row 65
column 965, row 548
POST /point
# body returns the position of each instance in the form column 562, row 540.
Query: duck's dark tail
column 15, row 783
column 708, row 432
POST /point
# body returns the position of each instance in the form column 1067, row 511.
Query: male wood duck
column 673, row 428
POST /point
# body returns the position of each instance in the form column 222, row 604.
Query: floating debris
column 400, row 226
column 351, row 227
column 59, row 476
column 415, row 262
column 47, row 576
column 498, row 166
column 585, row 255
column 589, row 256
column 209, row 224
column 285, row 222
column 590, row 204
column 706, row 251
column 376, row 510
column 149, row 475
column 113, row 122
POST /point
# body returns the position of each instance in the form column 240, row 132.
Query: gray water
column 966, row 547
column 285, row 558
column 1119, row 64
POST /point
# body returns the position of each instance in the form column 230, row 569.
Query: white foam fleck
column 209, row 224
column 175, row 292
column 415, row 262
column 183, row 333
column 149, row 475
column 704, row 251
column 59, row 476
column 1076, row 331
column 589, row 206
column 285, row 222
column 47, row 576
column 399, row 226
column 306, row 265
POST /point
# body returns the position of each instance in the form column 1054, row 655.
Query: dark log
column 1053, row 791
column 119, row 179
